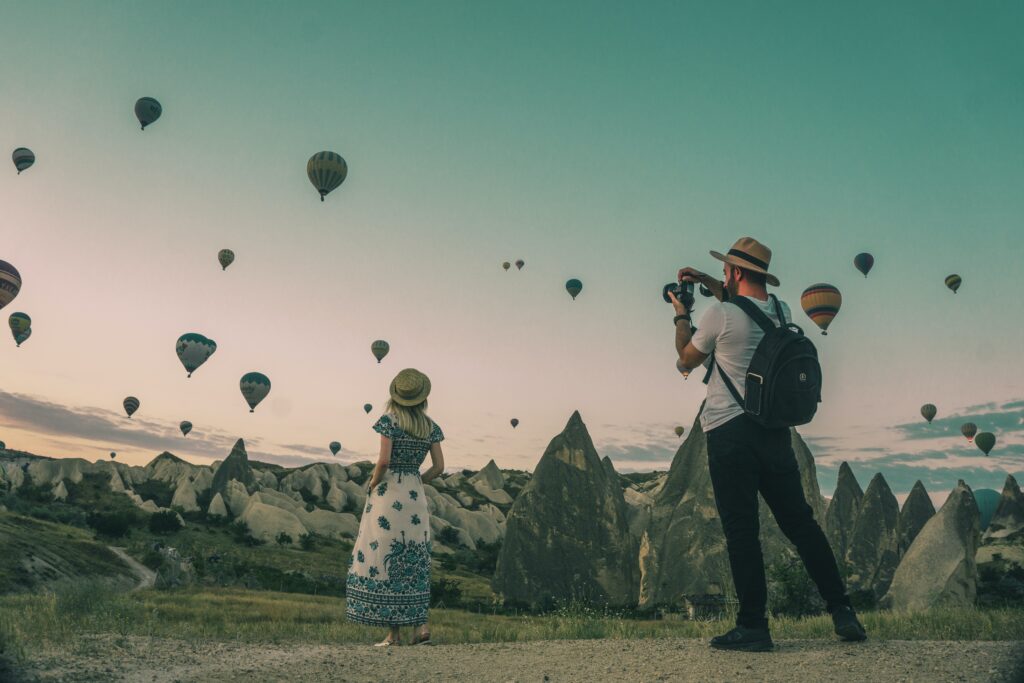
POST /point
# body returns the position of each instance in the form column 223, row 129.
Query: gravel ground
column 168, row 660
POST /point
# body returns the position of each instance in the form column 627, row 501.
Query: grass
column 55, row 620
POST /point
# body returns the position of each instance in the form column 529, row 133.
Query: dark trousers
column 745, row 458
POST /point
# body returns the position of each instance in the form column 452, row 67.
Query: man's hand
column 677, row 304
column 716, row 287
column 691, row 275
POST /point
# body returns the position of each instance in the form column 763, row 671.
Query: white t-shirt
column 725, row 329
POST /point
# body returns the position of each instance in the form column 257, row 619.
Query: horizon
column 618, row 148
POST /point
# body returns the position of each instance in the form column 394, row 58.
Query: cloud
column 646, row 453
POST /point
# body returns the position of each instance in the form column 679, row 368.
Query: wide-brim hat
column 749, row 254
column 409, row 387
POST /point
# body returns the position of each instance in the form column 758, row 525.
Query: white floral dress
column 389, row 572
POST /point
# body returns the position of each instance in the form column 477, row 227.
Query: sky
column 611, row 142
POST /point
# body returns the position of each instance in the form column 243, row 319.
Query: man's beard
column 731, row 288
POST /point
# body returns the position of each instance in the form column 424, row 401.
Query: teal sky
column 613, row 142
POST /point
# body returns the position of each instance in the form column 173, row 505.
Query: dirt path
column 155, row 660
column 147, row 577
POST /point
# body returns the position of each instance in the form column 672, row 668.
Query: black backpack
column 783, row 382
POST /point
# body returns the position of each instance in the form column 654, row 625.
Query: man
column 744, row 457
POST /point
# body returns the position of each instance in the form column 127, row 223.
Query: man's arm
column 688, row 354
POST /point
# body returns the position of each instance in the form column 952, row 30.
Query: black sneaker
column 847, row 627
column 743, row 638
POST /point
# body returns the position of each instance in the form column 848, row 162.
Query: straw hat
column 410, row 387
column 749, row 254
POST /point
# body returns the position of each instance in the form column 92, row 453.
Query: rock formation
column 265, row 522
column 1008, row 520
column 683, row 552
column 871, row 557
column 917, row 510
column 490, row 476
column 567, row 534
column 185, row 496
column 217, row 506
column 842, row 511
column 235, row 467
column 939, row 567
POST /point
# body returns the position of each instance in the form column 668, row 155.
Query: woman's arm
column 383, row 460
column 437, row 458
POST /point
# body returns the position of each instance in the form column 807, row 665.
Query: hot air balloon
column 113, row 455
column 23, row 158
column 367, row 407
column 953, row 282
column 574, row 287
column 193, row 350
column 226, row 257
column 326, row 170
column 515, row 422
column 21, row 326
column 335, row 447
column 20, row 337
column 863, row 262
column 683, row 370
column 10, row 283
column 255, row 386
column 821, row 303
column 969, row 429
column 3, row 446
column 185, row 427
column 131, row 404
column 520, row 263
column 380, row 349
column 679, row 430
column 147, row 110
column 985, row 441
column 506, row 265
column 928, row 411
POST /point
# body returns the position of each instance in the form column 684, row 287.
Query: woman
column 389, row 572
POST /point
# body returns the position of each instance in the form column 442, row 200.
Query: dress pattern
column 388, row 581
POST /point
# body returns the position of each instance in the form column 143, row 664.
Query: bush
column 445, row 590
column 283, row 539
column 160, row 492
column 448, row 536
column 791, row 590
column 164, row 522
column 241, row 534
column 114, row 524
column 307, row 541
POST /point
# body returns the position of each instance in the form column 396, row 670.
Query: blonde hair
column 412, row 420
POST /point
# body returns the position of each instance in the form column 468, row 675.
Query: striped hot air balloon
column 821, row 303
column 113, row 455
column 23, row 158
column 683, row 370
column 10, row 283
column 969, row 429
column 367, row 408
column 326, row 170
column 193, row 350
column 185, row 427
column 514, row 422
column 574, row 287
column 679, row 430
column 929, row 411
column 147, row 110
column 131, row 404
column 380, row 349
column 335, row 447
column 255, row 386
column 225, row 257
column 864, row 262
column 953, row 282
column 520, row 263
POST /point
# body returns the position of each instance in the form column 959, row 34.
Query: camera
column 683, row 292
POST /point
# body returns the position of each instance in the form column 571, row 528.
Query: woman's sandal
column 422, row 641
column 387, row 642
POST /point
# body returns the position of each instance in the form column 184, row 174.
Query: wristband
column 684, row 316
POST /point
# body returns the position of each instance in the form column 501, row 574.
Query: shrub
column 283, row 539
column 159, row 492
column 791, row 590
column 114, row 524
column 448, row 536
column 163, row 522
column 445, row 590
column 241, row 534
column 307, row 541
